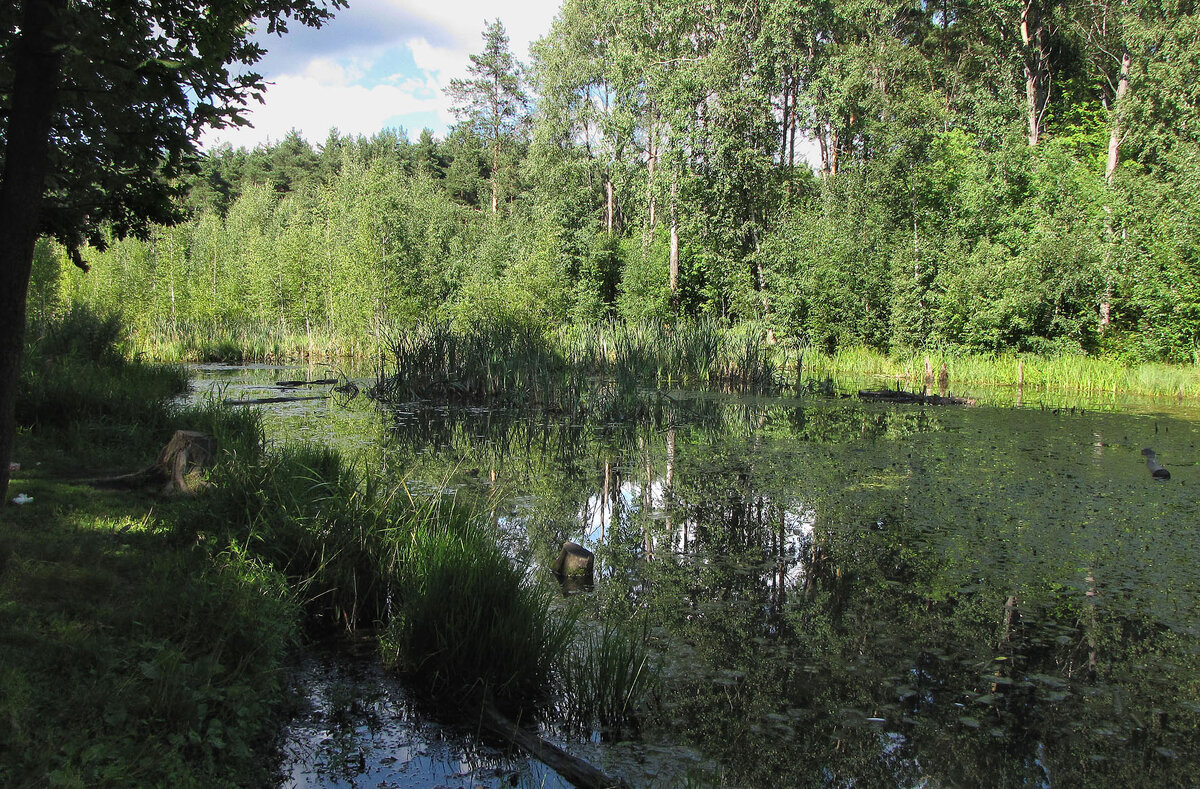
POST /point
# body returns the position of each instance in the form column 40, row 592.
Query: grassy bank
column 144, row 639
column 130, row 652
column 204, row 342
column 1082, row 374
column 687, row 353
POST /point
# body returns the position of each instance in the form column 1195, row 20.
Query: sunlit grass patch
column 127, row 655
column 1084, row 374
column 219, row 341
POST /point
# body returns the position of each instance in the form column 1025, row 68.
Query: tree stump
column 184, row 460
column 574, row 561
column 1156, row 469
column 179, row 468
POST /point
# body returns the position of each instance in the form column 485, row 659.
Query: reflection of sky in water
column 361, row 729
column 630, row 503
column 932, row 516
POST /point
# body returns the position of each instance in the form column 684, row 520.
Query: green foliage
column 608, row 679
column 920, row 216
column 470, row 621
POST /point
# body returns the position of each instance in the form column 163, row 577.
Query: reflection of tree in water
column 843, row 598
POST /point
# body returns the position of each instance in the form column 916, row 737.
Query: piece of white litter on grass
column 22, row 499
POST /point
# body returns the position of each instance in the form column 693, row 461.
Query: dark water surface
column 844, row 593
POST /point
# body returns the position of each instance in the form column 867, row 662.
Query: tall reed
column 600, row 372
column 469, row 622
column 608, row 679
column 1084, row 374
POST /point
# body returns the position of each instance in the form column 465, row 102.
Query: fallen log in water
column 574, row 769
column 1156, row 469
column 318, row 382
column 897, row 396
column 264, row 400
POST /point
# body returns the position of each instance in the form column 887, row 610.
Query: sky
column 378, row 64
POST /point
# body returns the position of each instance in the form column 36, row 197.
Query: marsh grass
column 608, row 679
column 243, row 344
column 309, row 513
column 602, row 373
column 469, row 622
column 456, row 614
column 1083, row 374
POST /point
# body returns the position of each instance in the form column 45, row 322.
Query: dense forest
column 984, row 176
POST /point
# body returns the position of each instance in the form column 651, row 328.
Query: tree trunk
column 651, row 162
column 674, row 255
column 1035, row 57
column 36, row 68
column 1117, row 132
column 496, row 177
column 608, row 205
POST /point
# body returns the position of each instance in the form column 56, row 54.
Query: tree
column 492, row 102
column 102, row 104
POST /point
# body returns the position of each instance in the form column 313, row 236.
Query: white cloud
column 440, row 63
column 312, row 107
column 321, row 77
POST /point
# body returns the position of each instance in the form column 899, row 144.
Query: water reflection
column 850, row 593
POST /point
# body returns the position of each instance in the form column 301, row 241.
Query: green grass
column 129, row 656
column 470, row 624
column 1082, row 374
column 608, row 679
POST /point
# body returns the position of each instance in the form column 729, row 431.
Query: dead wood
column 574, row 561
column 265, row 400
column 295, row 384
column 576, row 770
column 1156, row 469
column 897, row 396
column 179, row 468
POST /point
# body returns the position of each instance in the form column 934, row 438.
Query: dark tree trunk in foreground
column 36, row 68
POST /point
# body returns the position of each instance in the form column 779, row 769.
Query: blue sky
column 379, row 64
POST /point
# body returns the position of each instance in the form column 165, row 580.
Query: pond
column 845, row 592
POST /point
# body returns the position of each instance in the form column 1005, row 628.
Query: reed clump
column 469, row 622
column 453, row 611
column 1066, row 373
column 608, row 679
column 603, row 372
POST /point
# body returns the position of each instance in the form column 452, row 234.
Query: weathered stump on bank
column 574, row 561
column 179, row 468
column 1156, row 469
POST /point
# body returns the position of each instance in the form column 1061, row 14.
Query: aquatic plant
column 602, row 372
column 607, row 678
column 468, row 621
column 1065, row 373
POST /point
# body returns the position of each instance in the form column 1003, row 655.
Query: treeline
column 1008, row 175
